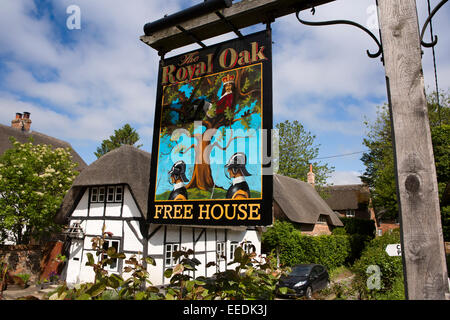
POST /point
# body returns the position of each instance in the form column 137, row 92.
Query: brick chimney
column 22, row 121
column 310, row 176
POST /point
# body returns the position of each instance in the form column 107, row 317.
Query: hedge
column 293, row 247
column 359, row 226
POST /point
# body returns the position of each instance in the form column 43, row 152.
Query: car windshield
column 300, row 271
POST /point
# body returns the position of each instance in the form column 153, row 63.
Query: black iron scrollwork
column 433, row 43
column 324, row 23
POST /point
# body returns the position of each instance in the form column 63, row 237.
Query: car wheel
column 308, row 293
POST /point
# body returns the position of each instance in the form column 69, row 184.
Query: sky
column 81, row 84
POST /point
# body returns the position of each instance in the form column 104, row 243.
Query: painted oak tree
column 217, row 103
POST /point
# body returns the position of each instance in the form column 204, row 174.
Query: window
column 113, row 194
column 101, row 194
column 350, row 213
column 110, row 194
column 220, row 251
column 249, row 247
column 119, row 193
column 94, row 194
column 169, row 258
column 107, row 244
column 322, row 219
column 75, row 230
column 233, row 247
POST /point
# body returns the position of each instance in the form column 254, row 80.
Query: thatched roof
column 39, row 138
column 300, row 202
column 343, row 197
column 124, row 165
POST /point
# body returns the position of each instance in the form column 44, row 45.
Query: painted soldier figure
column 237, row 172
column 177, row 178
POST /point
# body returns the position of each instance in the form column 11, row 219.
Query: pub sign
column 211, row 162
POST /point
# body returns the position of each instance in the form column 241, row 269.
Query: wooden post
column 423, row 254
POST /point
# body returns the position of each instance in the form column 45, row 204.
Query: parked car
column 304, row 279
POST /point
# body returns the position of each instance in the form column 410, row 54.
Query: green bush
column 391, row 268
column 295, row 248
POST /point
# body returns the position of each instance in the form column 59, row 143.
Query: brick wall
column 35, row 260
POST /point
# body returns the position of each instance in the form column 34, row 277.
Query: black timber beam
column 240, row 15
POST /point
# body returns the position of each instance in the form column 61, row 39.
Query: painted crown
column 228, row 78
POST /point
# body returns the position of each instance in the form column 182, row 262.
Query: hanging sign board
column 211, row 161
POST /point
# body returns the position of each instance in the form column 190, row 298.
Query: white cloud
column 344, row 177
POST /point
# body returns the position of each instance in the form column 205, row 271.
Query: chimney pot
column 26, row 115
column 311, row 176
column 18, row 115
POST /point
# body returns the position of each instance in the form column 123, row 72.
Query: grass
column 195, row 193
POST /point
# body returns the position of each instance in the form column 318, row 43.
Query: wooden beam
column 423, row 252
column 241, row 14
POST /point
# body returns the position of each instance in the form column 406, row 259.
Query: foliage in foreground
column 250, row 279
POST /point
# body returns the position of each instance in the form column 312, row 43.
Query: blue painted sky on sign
column 81, row 85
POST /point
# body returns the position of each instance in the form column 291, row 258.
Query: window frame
column 221, row 251
column 116, row 193
column 349, row 213
column 110, row 241
column 322, row 219
column 101, row 193
column 233, row 246
column 249, row 247
column 112, row 194
column 169, row 261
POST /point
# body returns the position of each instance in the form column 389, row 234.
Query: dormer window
column 322, row 219
column 110, row 193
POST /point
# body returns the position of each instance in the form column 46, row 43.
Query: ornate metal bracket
column 433, row 43
column 324, row 23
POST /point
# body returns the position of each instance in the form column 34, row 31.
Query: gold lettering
column 200, row 69
column 167, row 74
column 244, row 57
column 221, row 211
column 206, row 211
column 188, row 211
column 210, row 62
column 226, row 211
column 254, row 209
column 167, row 211
column 177, row 211
column 223, row 58
column 158, row 209
column 181, row 74
column 242, row 211
column 257, row 53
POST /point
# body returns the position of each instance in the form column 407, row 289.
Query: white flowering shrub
column 33, row 182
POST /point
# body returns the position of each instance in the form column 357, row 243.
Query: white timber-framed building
column 113, row 191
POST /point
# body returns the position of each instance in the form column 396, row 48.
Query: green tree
column 297, row 151
column 124, row 135
column 379, row 160
column 33, row 182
